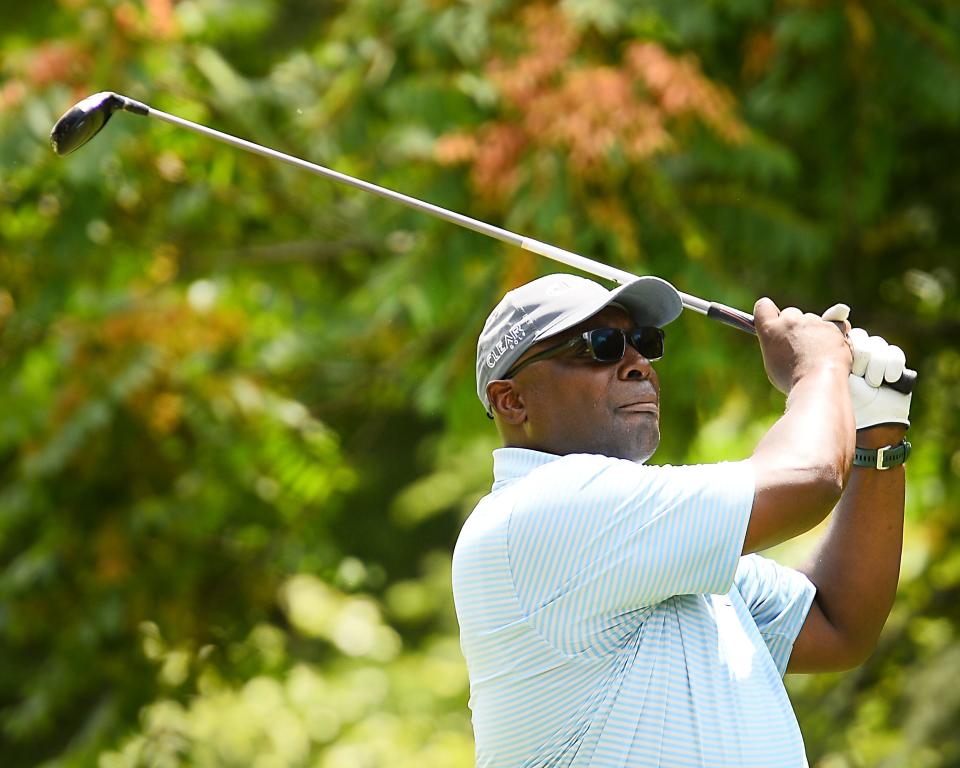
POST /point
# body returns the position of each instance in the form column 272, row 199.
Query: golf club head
column 84, row 120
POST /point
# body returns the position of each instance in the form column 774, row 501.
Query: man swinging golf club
column 614, row 614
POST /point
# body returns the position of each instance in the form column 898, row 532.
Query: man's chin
column 636, row 452
column 644, row 451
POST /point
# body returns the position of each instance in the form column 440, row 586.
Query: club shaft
column 713, row 310
column 526, row 243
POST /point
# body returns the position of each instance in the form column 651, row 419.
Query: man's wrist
column 826, row 368
column 887, row 457
column 825, row 375
column 880, row 435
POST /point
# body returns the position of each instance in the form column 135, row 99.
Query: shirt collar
column 511, row 464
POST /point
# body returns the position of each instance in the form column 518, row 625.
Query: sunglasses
column 605, row 345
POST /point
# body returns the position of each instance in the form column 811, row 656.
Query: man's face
column 573, row 404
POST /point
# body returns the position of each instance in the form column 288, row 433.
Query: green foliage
column 240, row 431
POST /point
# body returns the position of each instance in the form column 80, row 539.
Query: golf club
column 86, row 118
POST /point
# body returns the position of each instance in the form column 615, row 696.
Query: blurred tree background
column 239, row 431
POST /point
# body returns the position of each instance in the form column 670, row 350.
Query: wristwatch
column 882, row 458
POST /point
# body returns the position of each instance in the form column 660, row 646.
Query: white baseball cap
column 552, row 304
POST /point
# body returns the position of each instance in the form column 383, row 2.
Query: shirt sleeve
column 595, row 543
column 779, row 599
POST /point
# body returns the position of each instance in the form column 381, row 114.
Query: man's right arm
column 801, row 465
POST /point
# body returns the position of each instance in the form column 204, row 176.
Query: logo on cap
column 508, row 341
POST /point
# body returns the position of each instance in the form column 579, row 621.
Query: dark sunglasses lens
column 607, row 344
column 648, row 342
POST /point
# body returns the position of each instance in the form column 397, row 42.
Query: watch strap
column 882, row 458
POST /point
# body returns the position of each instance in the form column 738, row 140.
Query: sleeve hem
column 738, row 535
column 782, row 660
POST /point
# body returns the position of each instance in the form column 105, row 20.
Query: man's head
column 552, row 388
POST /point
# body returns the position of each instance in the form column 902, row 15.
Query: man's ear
column 506, row 402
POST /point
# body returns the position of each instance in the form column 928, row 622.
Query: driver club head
column 84, row 120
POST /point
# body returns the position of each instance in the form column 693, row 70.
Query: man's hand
column 794, row 344
column 875, row 362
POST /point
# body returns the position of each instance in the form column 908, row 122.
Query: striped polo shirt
column 608, row 618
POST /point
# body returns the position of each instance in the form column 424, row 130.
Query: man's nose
column 634, row 365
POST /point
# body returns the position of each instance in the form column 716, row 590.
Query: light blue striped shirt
column 608, row 618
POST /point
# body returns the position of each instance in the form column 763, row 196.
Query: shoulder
column 587, row 475
column 580, row 476
column 580, row 467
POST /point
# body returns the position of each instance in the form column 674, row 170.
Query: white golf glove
column 874, row 362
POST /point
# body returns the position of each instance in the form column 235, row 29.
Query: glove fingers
column 877, row 365
column 861, row 353
column 896, row 363
column 876, row 361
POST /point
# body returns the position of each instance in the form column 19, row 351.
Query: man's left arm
column 856, row 566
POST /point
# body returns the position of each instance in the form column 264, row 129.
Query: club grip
column 730, row 316
column 724, row 314
column 905, row 383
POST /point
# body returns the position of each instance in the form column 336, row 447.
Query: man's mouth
column 641, row 406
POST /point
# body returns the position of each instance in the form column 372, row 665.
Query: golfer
column 615, row 614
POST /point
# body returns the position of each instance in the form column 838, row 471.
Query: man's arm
column 857, row 563
column 855, row 567
column 802, row 463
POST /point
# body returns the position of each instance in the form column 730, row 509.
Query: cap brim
column 648, row 300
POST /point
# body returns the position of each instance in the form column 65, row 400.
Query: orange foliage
column 594, row 111
column 101, row 350
column 160, row 18
column 610, row 216
column 153, row 20
column 7, row 306
column 12, row 94
column 552, row 41
column 166, row 411
column 57, row 62
column 67, row 62
column 679, row 89
column 520, row 268
column 127, row 18
column 860, row 23
column 455, row 148
column 499, row 150
column 759, row 52
column 174, row 330
column 587, row 112
column 494, row 152
column 114, row 560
